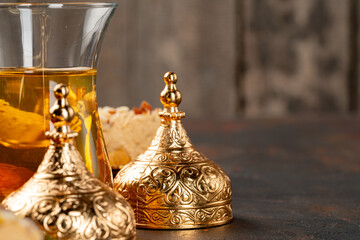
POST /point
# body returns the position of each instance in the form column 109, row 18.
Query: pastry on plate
column 128, row 132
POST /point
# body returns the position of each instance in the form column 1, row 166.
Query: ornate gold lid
column 172, row 185
column 63, row 197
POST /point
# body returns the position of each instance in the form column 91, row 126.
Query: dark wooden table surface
column 292, row 179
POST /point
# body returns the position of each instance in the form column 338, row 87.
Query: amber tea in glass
column 57, row 43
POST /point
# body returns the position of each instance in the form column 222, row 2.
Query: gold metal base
column 172, row 185
column 189, row 214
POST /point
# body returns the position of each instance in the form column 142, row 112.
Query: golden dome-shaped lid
column 63, row 197
column 172, row 185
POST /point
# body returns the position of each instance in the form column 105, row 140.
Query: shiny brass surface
column 63, row 197
column 172, row 185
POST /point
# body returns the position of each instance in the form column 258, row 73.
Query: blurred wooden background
column 234, row 57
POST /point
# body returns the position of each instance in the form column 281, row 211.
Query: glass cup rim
column 60, row 5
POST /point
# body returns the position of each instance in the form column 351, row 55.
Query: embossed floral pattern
column 69, row 203
column 172, row 185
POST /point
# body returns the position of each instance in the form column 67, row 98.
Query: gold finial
column 61, row 115
column 171, row 98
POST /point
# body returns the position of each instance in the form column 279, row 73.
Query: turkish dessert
column 128, row 132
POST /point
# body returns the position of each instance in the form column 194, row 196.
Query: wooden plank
column 240, row 61
column 353, row 47
column 193, row 38
column 297, row 56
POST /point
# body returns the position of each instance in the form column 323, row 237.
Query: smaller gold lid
column 63, row 197
column 172, row 185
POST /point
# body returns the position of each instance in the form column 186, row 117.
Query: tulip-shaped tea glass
column 41, row 45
